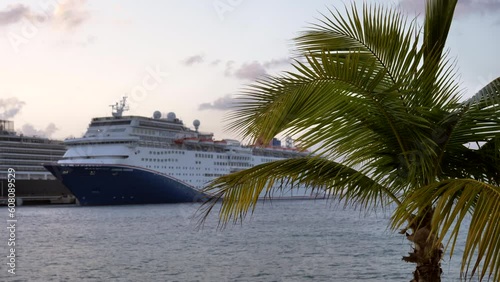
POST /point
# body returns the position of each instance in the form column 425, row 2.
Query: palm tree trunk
column 427, row 252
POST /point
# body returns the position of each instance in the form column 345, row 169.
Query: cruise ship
column 26, row 154
column 142, row 160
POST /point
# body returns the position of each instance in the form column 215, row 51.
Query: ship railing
column 29, row 176
column 159, row 145
column 101, row 139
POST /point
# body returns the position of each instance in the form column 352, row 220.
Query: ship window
column 116, row 130
column 110, row 123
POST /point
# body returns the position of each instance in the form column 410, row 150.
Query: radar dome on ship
column 157, row 115
column 171, row 116
column 196, row 124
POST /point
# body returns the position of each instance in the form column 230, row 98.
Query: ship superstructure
column 25, row 155
column 136, row 160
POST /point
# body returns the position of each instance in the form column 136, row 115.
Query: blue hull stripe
column 121, row 185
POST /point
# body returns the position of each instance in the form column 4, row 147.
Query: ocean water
column 295, row 240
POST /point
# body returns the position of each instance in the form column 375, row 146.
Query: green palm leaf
column 241, row 190
column 382, row 34
column 479, row 119
column 470, row 137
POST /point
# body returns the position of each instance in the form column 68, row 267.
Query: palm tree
column 378, row 94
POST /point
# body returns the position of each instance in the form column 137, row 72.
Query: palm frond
column 480, row 117
column 241, row 190
column 438, row 19
column 383, row 34
column 453, row 201
column 340, row 103
column 487, row 97
column 381, row 81
column 296, row 103
column 469, row 137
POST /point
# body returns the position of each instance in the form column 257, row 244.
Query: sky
column 63, row 62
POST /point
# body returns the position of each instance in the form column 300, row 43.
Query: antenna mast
column 118, row 108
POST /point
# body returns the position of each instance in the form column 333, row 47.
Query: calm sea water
column 283, row 241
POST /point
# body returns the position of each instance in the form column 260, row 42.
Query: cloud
column 66, row 15
column 464, row 7
column 196, row 59
column 247, row 70
column 91, row 39
column 30, row 130
column 70, row 14
column 468, row 7
column 413, row 6
column 13, row 14
column 250, row 71
column 10, row 107
column 224, row 103
column 229, row 68
column 254, row 69
column 276, row 63
column 215, row 62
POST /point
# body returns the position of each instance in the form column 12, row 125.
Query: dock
column 40, row 200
